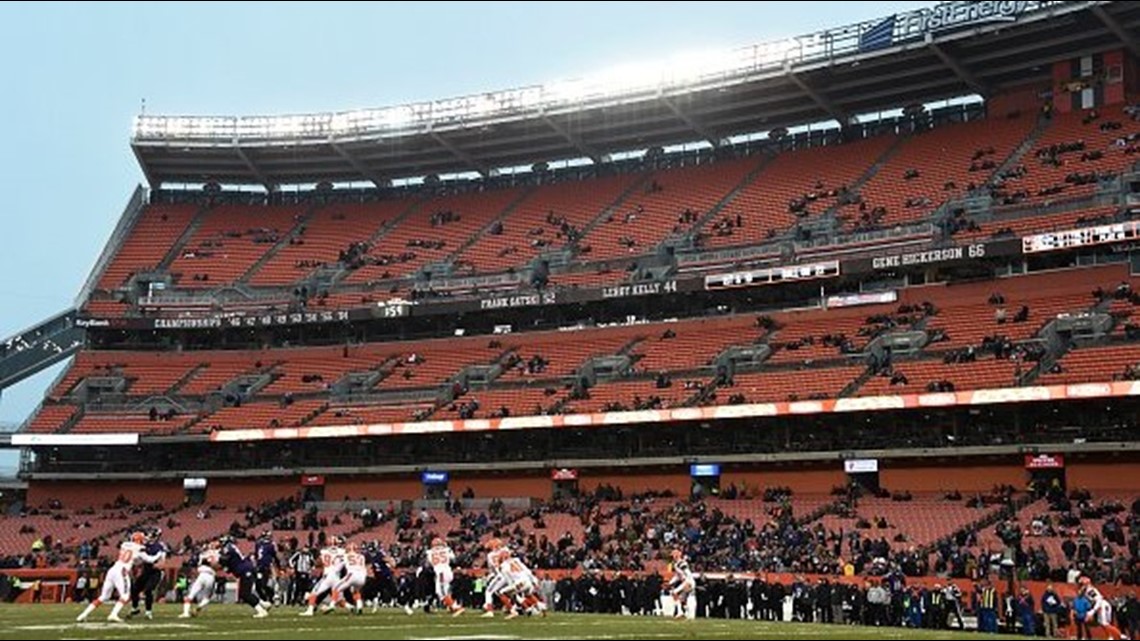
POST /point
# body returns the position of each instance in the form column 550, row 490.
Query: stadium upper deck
column 892, row 178
column 1035, row 174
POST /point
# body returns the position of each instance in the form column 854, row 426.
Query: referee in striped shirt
column 301, row 563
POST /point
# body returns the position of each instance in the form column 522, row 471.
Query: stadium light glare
column 778, row 52
column 626, row 78
column 480, row 106
column 682, row 69
column 354, row 121
column 286, row 126
column 530, row 97
column 446, row 110
column 397, row 117
column 148, row 126
column 567, row 91
column 179, row 127
column 314, row 124
column 693, row 66
column 341, row 123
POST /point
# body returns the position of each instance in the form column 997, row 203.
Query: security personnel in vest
column 935, row 612
column 988, row 607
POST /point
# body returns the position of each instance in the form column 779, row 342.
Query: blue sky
column 76, row 74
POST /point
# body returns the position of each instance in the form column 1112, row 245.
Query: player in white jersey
column 440, row 558
column 203, row 587
column 522, row 586
column 497, row 582
column 356, row 575
column 332, row 560
column 118, row 578
column 682, row 584
column 1101, row 610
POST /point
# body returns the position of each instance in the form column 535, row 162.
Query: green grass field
column 233, row 622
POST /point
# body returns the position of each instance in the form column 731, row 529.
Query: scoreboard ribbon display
column 1083, row 237
column 771, row 276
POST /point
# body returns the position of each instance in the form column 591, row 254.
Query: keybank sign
column 957, row 14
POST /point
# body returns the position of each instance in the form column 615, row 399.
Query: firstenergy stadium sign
column 953, row 15
column 948, row 16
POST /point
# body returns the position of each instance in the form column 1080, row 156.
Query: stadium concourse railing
column 85, row 472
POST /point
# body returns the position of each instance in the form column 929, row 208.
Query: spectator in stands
column 1000, row 315
column 1131, row 373
column 1132, row 331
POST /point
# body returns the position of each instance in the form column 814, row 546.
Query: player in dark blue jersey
column 265, row 556
column 150, row 574
column 381, row 583
column 245, row 571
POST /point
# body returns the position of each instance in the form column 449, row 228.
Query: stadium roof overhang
column 832, row 75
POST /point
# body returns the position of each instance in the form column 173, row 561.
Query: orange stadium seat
column 331, row 230
column 147, row 243
column 941, row 156
column 230, row 240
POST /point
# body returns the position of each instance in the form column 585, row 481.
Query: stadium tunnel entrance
column 195, row 489
column 706, row 480
column 863, row 473
column 565, row 483
column 312, row 487
column 1046, row 473
column 435, row 485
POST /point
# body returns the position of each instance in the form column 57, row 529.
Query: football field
column 233, row 622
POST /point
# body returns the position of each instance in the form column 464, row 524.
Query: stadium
column 828, row 337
